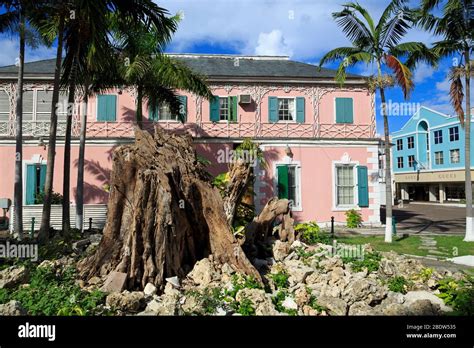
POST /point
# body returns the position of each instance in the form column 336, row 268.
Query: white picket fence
column 98, row 213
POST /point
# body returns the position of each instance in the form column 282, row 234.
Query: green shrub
column 55, row 293
column 240, row 282
column 311, row 233
column 56, row 198
column 371, row 261
column 280, row 279
column 353, row 218
column 244, row 307
column 398, row 284
column 278, row 300
column 209, row 299
column 4, row 296
column 458, row 294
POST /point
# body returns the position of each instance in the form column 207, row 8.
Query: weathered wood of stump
column 163, row 215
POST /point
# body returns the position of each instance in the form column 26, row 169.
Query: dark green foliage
column 55, row 293
column 244, row 307
column 398, row 284
column 240, row 282
column 458, row 294
column 278, row 299
column 56, row 198
column 280, row 279
column 371, row 261
column 209, row 298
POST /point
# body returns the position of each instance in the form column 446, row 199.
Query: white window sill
column 346, row 208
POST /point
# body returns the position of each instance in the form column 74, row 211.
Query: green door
column 35, row 178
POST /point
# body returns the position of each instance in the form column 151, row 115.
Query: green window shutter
column 107, row 108
column 363, row 183
column 42, row 177
column 300, row 109
column 233, row 109
column 111, row 108
column 183, row 110
column 272, row 109
column 282, row 181
column 214, row 109
column 101, row 108
column 153, row 114
column 30, row 184
column 344, row 110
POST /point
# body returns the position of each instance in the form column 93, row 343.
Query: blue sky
column 301, row 29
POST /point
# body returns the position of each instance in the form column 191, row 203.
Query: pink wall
column 316, row 179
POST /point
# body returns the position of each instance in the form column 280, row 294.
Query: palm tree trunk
column 80, row 165
column 139, row 107
column 388, row 172
column 467, row 150
column 48, row 186
column 66, row 221
column 18, row 195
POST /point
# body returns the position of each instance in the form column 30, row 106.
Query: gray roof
column 214, row 66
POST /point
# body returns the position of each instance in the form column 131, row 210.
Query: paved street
column 430, row 218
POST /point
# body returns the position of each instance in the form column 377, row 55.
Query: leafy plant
column 209, row 298
column 371, row 261
column 56, row 198
column 313, row 303
column 399, row 284
column 240, row 282
column 280, row 279
column 458, row 294
column 311, row 233
column 426, row 274
column 55, row 293
column 353, row 218
column 278, row 300
column 244, row 307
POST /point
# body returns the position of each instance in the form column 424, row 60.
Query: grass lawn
column 410, row 244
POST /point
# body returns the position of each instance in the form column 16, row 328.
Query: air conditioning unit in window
column 245, row 99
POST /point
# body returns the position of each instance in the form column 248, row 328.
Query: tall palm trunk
column 388, row 172
column 18, row 195
column 66, row 221
column 139, row 107
column 467, row 150
column 48, row 187
column 80, row 166
column 388, row 163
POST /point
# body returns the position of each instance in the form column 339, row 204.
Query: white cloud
column 272, row 44
column 10, row 50
column 422, row 73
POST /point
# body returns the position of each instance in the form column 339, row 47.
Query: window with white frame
column 345, row 185
column 454, row 133
column 399, row 162
column 4, row 106
column 411, row 142
column 399, row 144
column 286, row 109
column 439, row 157
column 411, row 161
column 438, row 137
column 224, row 109
column 454, row 156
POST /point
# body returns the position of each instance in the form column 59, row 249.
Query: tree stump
column 163, row 215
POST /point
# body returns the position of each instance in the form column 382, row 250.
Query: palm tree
column 380, row 44
column 15, row 20
column 97, row 64
column 455, row 26
column 142, row 64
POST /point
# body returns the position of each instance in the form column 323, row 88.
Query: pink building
column 318, row 137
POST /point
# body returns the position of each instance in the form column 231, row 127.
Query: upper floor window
column 454, row 155
column 399, row 144
column 344, row 110
column 411, row 161
column 4, row 106
column 399, row 162
column 106, row 107
column 411, row 142
column 438, row 137
column 439, row 159
column 223, row 109
column 164, row 112
column 454, row 133
column 286, row 109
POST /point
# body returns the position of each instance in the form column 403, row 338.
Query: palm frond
column 402, row 74
column 415, row 52
column 337, row 54
column 396, row 27
column 351, row 25
column 456, row 92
